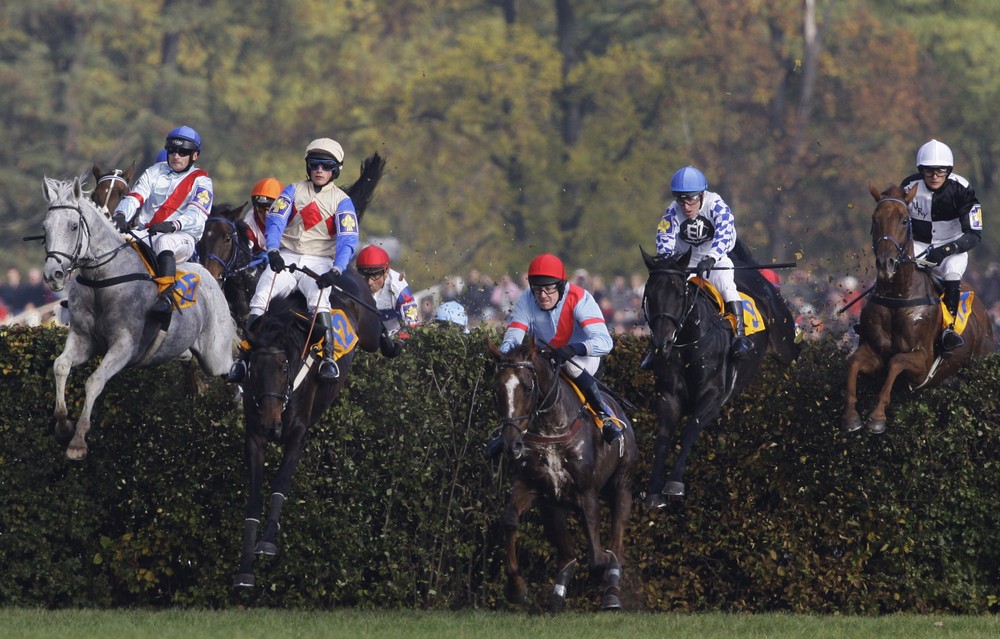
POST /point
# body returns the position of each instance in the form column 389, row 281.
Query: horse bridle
column 284, row 397
column 901, row 252
column 238, row 248
column 688, row 302
column 83, row 230
column 115, row 176
column 555, row 393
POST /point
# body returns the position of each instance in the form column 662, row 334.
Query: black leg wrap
column 557, row 600
column 267, row 544
column 245, row 578
column 612, row 577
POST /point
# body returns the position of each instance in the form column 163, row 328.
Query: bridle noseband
column 228, row 269
column 83, row 231
column 542, row 404
column 902, row 254
column 286, row 395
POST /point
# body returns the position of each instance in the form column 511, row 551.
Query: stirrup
column 950, row 340
column 610, row 430
column 163, row 305
column 328, row 369
column 237, row 373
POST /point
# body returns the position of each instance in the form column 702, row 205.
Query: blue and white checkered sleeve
column 666, row 233
column 725, row 229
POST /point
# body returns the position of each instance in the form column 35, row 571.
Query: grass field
column 276, row 624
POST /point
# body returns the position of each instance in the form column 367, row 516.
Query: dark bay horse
column 563, row 466
column 283, row 396
column 694, row 373
column 111, row 187
column 226, row 252
column 902, row 319
column 108, row 303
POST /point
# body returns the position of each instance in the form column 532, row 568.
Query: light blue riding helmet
column 452, row 312
column 184, row 137
column 688, row 180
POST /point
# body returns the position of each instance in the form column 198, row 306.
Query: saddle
column 345, row 338
column 185, row 282
column 590, row 409
column 753, row 320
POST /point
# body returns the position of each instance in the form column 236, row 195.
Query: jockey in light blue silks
column 170, row 203
column 701, row 221
column 312, row 224
column 569, row 319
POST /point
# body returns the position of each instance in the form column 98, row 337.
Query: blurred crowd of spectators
column 25, row 300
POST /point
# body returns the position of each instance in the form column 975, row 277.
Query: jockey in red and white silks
column 575, row 319
column 396, row 305
column 164, row 195
column 311, row 228
column 711, row 232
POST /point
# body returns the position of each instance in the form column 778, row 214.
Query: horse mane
column 285, row 324
column 65, row 190
column 363, row 189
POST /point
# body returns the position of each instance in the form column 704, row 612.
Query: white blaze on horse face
column 510, row 385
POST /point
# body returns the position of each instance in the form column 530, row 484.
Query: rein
column 239, row 249
column 903, row 257
column 77, row 262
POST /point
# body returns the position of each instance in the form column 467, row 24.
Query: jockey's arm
column 129, row 205
column 192, row 215
column 520, row 323
column 277, row 218
column 666, row 233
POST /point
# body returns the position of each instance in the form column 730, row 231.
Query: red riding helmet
column 547, row 269
column 372, row 259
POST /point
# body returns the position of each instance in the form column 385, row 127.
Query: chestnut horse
column 111, row 187
column 563, row 465
column 901, row 320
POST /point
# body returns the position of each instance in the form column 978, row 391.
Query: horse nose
column 517, row 449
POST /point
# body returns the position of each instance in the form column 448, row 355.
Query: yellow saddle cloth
column 753, row 321
column 964, row 312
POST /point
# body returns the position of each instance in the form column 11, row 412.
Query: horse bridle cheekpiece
column 687, row 301
column 901, row 255
column 540, row 408
column 82, row 230
column 115, row 176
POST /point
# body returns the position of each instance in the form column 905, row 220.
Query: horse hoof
column 266, row 548
column 674, row 488
column 876, row 426
column 556, row 603
column 76, row 454
column 655, row 500
column 852, row 424
column 611, row 602
column 244, row 580
column 64, row 431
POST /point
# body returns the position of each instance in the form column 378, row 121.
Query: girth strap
column 113, row 281
column 535, row 438
column 895, row 302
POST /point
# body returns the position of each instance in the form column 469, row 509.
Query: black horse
column 224, row 248
column 694, row 371
column 283, row 396
column 564, row 466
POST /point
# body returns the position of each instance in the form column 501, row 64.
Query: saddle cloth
column 964, row 312
column 753, row 321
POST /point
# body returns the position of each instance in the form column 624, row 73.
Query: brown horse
column 111, row 187
column 564, row 465
column 902, row 319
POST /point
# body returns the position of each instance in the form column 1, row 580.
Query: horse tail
column 741, row 253
column 363, row 190
column 781, row 339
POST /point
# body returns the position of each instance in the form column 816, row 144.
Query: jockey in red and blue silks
column 170, row 202
column 312, row 224
column 396, row 305
column 568, row 319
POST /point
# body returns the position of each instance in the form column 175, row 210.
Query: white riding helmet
column 935, row 153
column 325, row 146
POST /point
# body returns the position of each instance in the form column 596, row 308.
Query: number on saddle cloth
column 345, row 338
column 753, row 320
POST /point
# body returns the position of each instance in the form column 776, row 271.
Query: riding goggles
column 935, row 171
column 326, row 165
column 177, row 150
column 372, row 274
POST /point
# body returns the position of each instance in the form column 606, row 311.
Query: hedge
column 394, row 506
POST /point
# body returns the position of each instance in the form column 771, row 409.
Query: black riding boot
column 950, row 339
column 609, row 427
column 742, row 345
column 167, row 267
column 328, row 369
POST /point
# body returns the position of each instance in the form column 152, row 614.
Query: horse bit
column 901, row 255
column 540, row 409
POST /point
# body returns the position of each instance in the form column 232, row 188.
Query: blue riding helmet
column 452, row 312
column 688, row 180
column 161, row 156
column 184, row 137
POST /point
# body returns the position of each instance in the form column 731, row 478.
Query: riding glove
column 275, row 261
column 120, row 222
column 329, row 278
column 568, row 352
column 938, row 253
column 163, row 227
column 705, row 266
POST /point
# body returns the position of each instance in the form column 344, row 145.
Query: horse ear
column 912, row 193
column 648, row 260
column 874, row 191
column 47, row 189
column 129, row 172
column 493, row 350
column 96, row 170
column 77, row 188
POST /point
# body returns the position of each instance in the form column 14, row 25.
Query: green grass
column 279, row 624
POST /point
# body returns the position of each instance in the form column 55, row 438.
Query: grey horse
column 108, row 304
